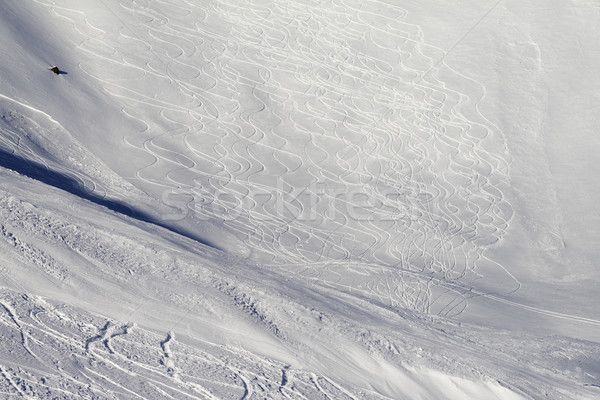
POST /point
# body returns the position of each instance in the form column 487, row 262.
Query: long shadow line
column 62, row 181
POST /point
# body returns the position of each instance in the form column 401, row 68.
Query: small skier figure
column 55, row 70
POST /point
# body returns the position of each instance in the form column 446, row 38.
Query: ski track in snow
column 51, row 350
column 17, row 139
column 255, row 102
column 46, row 144
column 330, row 137
column 130, row 362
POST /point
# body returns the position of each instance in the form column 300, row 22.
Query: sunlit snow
column 338, row 199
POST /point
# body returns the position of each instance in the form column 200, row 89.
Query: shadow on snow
column 64, row 182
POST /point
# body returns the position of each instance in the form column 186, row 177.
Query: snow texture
column 339, row 199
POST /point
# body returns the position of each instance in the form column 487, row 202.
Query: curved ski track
column 326, row 134
column 106, row 360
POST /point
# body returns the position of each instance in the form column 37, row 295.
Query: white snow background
column 328, row 199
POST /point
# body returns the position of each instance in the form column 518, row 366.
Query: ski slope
column 275, row 199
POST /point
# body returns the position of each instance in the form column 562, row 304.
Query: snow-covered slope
column 341, row 199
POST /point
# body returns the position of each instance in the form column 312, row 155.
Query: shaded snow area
column 275, row 199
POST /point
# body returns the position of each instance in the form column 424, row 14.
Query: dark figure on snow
column 55, row 70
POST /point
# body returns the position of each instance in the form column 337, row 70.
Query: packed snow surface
column 339, row 199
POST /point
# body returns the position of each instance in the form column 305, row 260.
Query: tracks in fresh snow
column 327, row 136
column 29, row 140
column 83, row 355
